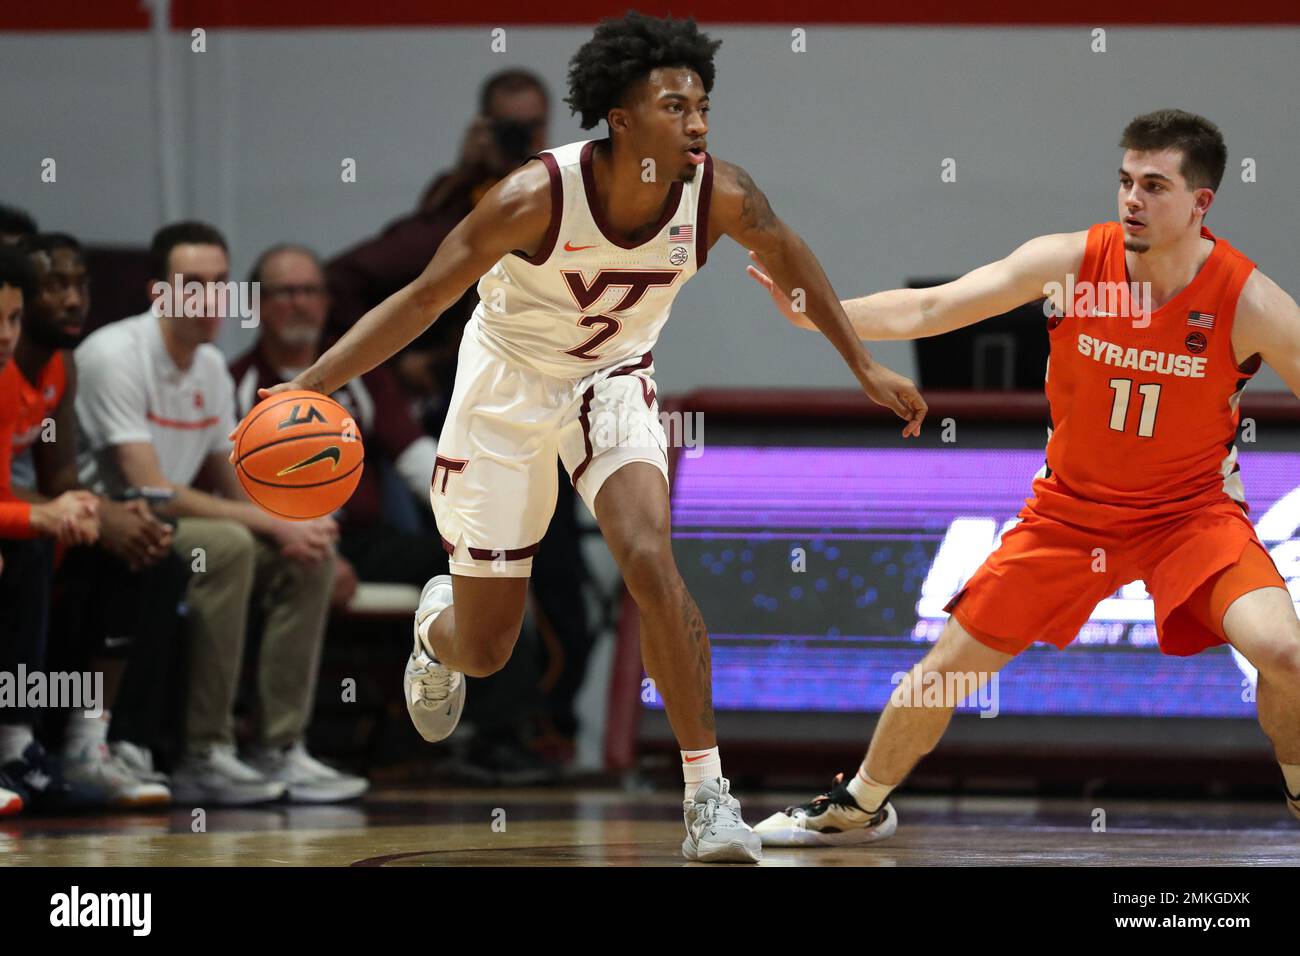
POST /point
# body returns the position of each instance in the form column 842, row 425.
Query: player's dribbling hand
column 264, row 393
column 886, row 387
column 758, row 272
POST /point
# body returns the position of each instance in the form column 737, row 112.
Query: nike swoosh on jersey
column 332, row 453
column 569, row 248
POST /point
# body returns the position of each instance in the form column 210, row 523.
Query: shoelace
column 816, row 802
column 433, row 682
column 722, row 807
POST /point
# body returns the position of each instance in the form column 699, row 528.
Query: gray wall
column 847, row 140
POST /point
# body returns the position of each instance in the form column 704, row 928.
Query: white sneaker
column 833, row 819
column 139, row 760
column 435, row 695
column 95, row 766
column 218, row 777
column 715, row 832
column 308, row 780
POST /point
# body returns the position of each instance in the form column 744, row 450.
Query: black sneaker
column 38, row 779
column 833, row 819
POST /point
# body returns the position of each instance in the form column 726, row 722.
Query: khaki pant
column 232, row 568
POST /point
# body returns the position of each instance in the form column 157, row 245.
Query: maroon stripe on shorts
column 644, row 361
column 448, row 546
column 510, row 554
column 587, row 396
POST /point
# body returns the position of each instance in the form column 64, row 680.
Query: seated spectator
column 155, row 406
column 291, row 321
column 27, row 778
column 105, row 592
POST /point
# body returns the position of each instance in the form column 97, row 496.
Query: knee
column 314, row 577
column 219, row 547
column 648, row 567
column 1278, row 661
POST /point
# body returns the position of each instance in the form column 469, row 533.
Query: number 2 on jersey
column 608, row 328
column 1119, row 409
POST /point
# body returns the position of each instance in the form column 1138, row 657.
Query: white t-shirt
column 129, row 389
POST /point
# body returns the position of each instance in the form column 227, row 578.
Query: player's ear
column 1203, row 200
column 617, row 118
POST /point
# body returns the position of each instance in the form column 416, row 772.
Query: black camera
column 513, row 138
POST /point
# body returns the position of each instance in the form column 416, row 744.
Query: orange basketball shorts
column 1066, row 555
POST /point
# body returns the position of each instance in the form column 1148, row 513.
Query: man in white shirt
column 154, row 406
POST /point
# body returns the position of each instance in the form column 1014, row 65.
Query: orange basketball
column 299, row 455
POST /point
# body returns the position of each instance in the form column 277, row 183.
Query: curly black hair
column 621, row 52
column 16, row 271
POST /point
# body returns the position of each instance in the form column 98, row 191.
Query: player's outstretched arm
column 1268, row 324
column 513, row 215
column 740, row 210
column 916, row 313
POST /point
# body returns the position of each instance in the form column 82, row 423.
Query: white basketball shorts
column 494, row 483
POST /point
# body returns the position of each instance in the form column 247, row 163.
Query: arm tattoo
column 755, row 213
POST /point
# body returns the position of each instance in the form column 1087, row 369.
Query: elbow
column 422, row 295
column 928, row 310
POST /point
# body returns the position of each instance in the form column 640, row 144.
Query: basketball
column 299, row 455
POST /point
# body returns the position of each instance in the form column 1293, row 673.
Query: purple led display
column 822, row 573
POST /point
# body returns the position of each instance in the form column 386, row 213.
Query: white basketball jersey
column 586, row 301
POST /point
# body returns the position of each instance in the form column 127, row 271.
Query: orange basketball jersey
column 1144, row 407
column 36, row 402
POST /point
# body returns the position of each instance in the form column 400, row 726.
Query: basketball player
column 1144, row 393
column 581, row 252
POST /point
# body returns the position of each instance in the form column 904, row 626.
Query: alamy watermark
column 39, row 690
column 622, row 427
column 193, row 300
column 1102, row 300
column 922, row 688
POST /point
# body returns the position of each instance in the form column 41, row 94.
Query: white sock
column 698, row 766
column 1291, row 771
column 869, row 794
column 85, row 732
column 14, row 739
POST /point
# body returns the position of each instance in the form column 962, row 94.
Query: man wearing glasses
column 291, row 322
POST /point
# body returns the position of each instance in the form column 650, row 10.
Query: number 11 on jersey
column 1119, row 409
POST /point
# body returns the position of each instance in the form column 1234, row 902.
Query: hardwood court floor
column 607, row 827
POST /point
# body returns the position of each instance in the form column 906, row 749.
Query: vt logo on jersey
column 637, row 282
column 313, row 415
column 331, row 454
